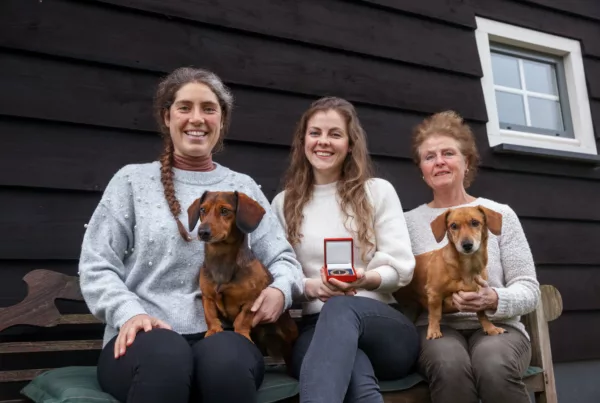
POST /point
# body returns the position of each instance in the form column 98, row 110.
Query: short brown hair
column 451, row 124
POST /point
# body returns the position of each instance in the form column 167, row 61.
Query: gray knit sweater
column 510, row 265
column 134, row 261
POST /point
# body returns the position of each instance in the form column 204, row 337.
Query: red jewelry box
column 339, row 259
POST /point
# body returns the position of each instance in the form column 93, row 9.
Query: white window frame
column 584, row 142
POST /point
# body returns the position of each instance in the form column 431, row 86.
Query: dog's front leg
column 434, row 303
column 243, row 321
column 211, row 316
column 488, row 327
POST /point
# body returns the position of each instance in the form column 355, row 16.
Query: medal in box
column 339, row 259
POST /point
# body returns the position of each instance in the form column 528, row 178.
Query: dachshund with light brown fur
column 461, row 265
column 231, row 278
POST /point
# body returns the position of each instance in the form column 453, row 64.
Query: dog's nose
column 467, row 246
column 204, row 232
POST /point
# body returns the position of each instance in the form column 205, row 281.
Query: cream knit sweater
column 392, row 258
column 510, row 265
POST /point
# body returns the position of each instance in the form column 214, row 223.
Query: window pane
column 510, row 108
column 545, row 114
column 540, row 77
column 506, row 70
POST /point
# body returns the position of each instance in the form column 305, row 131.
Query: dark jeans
column 354, row 341
column 464, row 366
column 163, row 366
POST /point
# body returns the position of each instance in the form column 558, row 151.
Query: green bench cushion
column 79, row 385
column 414, row 378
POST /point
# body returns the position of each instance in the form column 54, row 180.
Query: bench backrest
column 46, row 286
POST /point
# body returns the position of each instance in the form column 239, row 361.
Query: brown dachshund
column 442, row 272
column 231, row 278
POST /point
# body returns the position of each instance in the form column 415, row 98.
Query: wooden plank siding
column 77, row 78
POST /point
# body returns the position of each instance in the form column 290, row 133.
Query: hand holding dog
column 485, row 298
column 268, row 306
column 130, row 329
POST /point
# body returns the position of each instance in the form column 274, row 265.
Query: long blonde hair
column 357, row 169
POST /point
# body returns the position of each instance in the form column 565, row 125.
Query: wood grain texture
column 579, row 286
column 574, row 336
column 451, row 11
column 247, row 60
column 595, row 110
column 47, row 346
column 91, row 159
column 591, row 68
column 38, row 309
column 85, row 108
column 21, row 375
column 551, row 301
column 562, row 242
column 532, row 16
column 352, row 26
column 13, row 288
column 589, row 9
column 418, row 393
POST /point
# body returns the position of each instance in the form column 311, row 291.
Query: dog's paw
column 493, row 331
column 433, row 334
column 212, row 331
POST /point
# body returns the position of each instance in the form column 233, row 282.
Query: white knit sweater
column 323, row 218
column 511, row 269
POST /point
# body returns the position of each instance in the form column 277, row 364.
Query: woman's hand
column 322, row 290
column 130, row 329
column 268, row 306
column 364, row 280
column 485, row 298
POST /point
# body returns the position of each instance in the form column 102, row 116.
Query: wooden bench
column 39, row 309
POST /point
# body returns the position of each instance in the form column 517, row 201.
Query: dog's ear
column 194, row 211
column 493, row 220
column 438, row 226
column 248, row 213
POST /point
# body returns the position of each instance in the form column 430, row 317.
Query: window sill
column 513, row 149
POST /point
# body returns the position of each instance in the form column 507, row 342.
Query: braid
column 166, row 177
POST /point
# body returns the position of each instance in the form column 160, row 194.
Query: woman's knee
column 445, row 358
column 498, row 357
column 338, row 304
column 164, row 347
column 496, row 366
column 228, row 356
column 156, row 357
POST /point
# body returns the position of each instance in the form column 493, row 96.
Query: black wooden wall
column 76, row 80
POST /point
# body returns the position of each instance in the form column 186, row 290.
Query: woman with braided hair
column 139, row 266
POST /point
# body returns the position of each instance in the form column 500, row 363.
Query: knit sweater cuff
column 283, row 285
column 389, row 278
column 502, row 310
column 126, row 312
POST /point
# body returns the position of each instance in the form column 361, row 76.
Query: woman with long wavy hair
column 351, row 334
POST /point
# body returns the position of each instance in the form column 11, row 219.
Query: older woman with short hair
column 466, row 365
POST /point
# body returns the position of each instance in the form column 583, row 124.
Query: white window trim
column 570, row 51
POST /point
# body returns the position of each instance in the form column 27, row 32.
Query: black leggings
column 163, row 366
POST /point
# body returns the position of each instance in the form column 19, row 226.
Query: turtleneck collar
column 199, row 164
